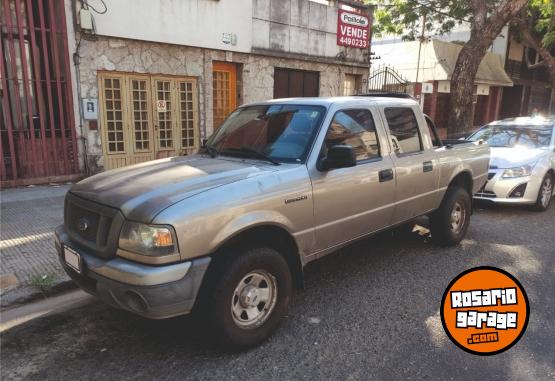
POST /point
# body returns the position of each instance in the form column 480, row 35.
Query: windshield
column 515, row 136
column 282, row 133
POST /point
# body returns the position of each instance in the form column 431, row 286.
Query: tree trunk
column 484, row 30
column 461, row 115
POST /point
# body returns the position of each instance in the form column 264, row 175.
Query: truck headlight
column 510, row 173
column 151, row 240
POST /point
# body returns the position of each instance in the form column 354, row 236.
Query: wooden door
column 224, row 88
column 165, row 117
column 115, row 140
column 350, row 85
column 147, row 117
column 141, row 131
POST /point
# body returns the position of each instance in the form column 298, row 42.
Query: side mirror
column 339, row 156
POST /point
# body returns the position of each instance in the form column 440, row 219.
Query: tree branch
column 531, row 65
column 535, row 43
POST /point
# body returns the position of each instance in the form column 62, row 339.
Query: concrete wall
column 138, row 57
column 299, row 27
column 199, row 23
column 71, row 46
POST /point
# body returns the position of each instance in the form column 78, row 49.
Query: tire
column 238, row 288
column 544, row 194
column 449, row 223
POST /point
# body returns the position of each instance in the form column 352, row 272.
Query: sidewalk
column 27, row 222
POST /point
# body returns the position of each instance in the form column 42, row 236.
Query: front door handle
column 428, row 166
column 386, row 175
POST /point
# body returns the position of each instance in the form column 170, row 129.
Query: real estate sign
column 353, row 30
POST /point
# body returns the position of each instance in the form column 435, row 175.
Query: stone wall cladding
column 111, row 54
column 131, row 56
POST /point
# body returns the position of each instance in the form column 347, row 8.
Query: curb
column 33, row 294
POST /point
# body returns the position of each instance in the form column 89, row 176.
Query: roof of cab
column 328, row 101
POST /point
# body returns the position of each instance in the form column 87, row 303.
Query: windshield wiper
column 253, row 152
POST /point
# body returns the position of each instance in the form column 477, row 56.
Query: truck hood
column 142, row 191
column 505, row 157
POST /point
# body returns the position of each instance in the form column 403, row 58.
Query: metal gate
column 37, row 132
column 386, row 79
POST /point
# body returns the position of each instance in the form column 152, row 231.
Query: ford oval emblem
column 82, row 224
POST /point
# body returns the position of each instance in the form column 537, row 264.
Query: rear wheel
column 249, row 298
column 545, row 194
column 449, row 223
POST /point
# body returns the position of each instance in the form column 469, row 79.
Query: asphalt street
column 369, row 311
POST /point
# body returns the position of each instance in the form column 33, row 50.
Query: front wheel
column 250, row 297
column 449, row 223
column 545, row 194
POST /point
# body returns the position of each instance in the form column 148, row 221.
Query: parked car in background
column 281, row 183
column 522, row 167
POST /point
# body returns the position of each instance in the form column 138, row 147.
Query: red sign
column 353, row 30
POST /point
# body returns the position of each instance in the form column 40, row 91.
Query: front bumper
column 500, row 190
column 155, row 292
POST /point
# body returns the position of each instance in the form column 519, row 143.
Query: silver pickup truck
column 227, row 232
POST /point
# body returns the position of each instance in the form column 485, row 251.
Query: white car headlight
column 510, row 173
column 151, row 240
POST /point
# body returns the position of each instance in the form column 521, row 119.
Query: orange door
column 224, row 87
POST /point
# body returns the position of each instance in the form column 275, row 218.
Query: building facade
column 429, row 66
column 151, row 79
column 532, row 92
column 525, row 92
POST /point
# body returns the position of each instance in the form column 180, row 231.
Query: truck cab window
column 355, row 128
column 405, row 136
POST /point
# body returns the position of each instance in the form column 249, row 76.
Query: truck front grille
column 94, row 227
column 83, row 223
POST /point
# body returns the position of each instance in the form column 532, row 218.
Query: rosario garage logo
column 485, row 310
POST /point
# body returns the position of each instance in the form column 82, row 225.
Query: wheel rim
column 458, row 217
column 254, row 299
column 546, row 191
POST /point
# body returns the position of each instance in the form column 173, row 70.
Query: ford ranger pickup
column 226, row 233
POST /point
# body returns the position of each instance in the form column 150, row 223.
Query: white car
column 522, row 165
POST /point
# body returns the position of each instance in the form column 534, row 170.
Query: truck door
column 415, row 161
column 352, row 202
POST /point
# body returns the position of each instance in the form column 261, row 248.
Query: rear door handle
column 428, row 166
column 386, row 175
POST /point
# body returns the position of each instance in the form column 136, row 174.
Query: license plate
column 72, row 258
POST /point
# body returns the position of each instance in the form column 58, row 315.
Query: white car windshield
column 277, row 133
column 515, row 136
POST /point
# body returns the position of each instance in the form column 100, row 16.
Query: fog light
column 134, row 301
column 519, row 191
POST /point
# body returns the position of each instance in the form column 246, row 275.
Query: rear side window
column 405, row 136
column 355, row 128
